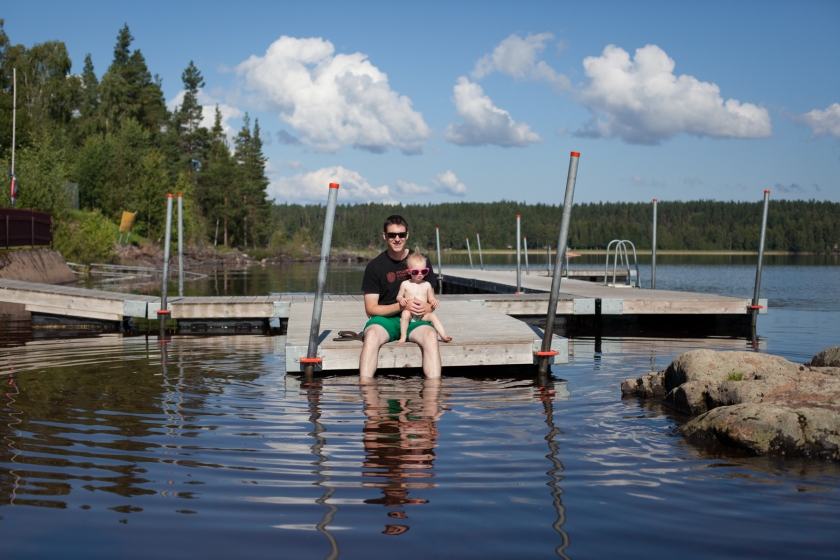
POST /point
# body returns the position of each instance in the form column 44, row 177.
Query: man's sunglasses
column 420, row 271
column 400, row 234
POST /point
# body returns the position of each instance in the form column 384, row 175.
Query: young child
column 417, row 288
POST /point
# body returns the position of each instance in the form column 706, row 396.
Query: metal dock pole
column 653, row 250
column 13, row 179
column 480, row 257
column 163, row 312
column 180, row 245
column 545, row 351
column 469, row 253
column 315, row 328
column 525, row 246
column 518, row 258
column 440, row 267
column 755, row 306
column 548, row 260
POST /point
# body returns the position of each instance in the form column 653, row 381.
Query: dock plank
column 481, row 336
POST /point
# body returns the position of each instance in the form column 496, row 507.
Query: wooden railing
column 21, row 228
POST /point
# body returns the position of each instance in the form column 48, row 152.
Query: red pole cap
column 575, row 154
column 180, row 195
column 655, row 200
column 517, row 216
column 437, row 228
column 169, row 195
column 333, row 185
column 767, row 191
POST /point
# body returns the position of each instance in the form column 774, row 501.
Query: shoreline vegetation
column 92, row 146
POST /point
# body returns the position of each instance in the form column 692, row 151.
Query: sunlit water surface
column 111, row 449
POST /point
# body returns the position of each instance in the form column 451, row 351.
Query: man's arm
column 372, row 307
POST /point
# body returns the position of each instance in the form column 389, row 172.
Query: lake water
column 111, row 449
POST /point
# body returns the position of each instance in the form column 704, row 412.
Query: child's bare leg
column 434, row 320
column 404, row 319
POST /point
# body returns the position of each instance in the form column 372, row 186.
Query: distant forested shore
column 707, row 225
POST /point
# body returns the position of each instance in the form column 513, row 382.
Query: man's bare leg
column 435, row 320
column 405, row 317
column 375, row 337
column 427, row 339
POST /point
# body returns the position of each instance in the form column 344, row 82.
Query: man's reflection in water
column 400, row 436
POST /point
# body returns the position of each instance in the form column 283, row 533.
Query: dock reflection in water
column 110, row 447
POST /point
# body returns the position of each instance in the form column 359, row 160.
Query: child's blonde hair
column 416, row 257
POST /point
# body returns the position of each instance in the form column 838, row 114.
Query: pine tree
column 193, row 139
column 128, row 90
column 256, row 211
column 218, row 185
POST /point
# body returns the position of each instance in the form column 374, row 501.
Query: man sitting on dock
column 381, row 284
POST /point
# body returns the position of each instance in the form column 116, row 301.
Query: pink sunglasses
column 420, row 271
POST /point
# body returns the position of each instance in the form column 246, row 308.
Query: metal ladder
column 632, row 279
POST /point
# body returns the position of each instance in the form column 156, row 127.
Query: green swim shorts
column 392, row 325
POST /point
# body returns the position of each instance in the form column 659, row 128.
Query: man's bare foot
column 445, row 338
column 401, row 341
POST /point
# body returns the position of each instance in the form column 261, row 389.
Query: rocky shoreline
column 151, row 255
column 755, row 402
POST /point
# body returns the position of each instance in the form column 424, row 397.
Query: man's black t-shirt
column 383, row 276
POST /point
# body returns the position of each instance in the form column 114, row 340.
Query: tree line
column 792, row 225
column 115, row 138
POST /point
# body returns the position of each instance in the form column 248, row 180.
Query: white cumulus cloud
column 643, row 102
column 411, row 189
column 448, row 183
column 208, row 111
column 332, row 100
column 517, row 57
column 314, row 187
column 484, row 123
column 823, row 122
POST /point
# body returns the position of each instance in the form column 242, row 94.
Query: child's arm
column 431, row 297
column 401, row 295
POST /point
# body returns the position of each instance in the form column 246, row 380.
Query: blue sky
column 482, row 101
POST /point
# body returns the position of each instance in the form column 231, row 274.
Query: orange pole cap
column 333, row 185
column 767, row 191
column 655, row 200
column 169, row 196
column 575, row 154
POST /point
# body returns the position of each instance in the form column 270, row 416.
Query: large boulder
column 758, row 402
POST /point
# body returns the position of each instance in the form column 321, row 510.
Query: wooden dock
column 478, row 310
column 579, row 297
column 480, row 337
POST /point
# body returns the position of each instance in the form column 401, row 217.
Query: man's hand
column 417, row 308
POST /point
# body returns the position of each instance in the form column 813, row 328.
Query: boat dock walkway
column 479, row 310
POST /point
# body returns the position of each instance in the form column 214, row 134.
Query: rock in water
column 761, row 403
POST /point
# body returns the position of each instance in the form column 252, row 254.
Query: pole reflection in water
column 546, row 395
column 13, row 432
column 312, row 390
column 400, row 435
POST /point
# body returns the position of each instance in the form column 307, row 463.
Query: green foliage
column 42, row 172
column 86, row 237
column 735, row 376
column 793, row 225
